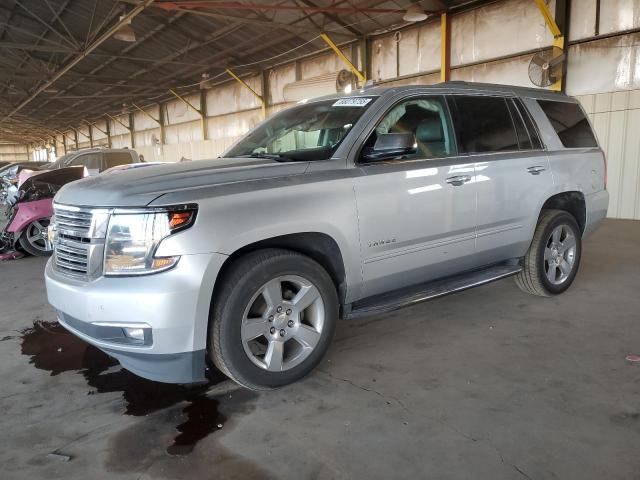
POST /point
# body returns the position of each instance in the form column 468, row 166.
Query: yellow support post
column 361, row 76
column 200, row 112
column 558, row 38
column 256, row 94
column 445, row 47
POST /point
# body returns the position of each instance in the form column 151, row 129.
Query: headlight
column 133, row 238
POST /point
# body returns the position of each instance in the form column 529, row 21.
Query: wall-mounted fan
column 345, row 81
column 545, row 67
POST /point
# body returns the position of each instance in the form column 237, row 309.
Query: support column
column 203, row 114
column 108, row 129
column 162, row 122
column 132, row 131
column 445, row 47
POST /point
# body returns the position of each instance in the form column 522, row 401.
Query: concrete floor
column 486, row 384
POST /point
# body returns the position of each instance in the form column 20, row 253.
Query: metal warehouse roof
column 59, row 62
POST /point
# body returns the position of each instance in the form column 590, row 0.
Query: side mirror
column 391, row 145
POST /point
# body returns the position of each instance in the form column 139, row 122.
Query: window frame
column 417, row 95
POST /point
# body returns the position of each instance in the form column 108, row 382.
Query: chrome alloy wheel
column 282, row 323
column 36, row 235
column 560, row 254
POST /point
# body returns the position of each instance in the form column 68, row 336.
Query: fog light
column 134, row 333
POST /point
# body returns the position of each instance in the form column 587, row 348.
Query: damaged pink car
column 29, row 210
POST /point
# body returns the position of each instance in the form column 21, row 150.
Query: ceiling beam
column 96, row 43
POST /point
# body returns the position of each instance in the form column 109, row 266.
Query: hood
column 140, row 186
column 43, row 185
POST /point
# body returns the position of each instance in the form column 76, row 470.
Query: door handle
column 458, row 180
column 536, row 170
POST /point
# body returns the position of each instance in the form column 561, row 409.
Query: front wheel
column 552, row 261
column 34, row 238
column 272, row 319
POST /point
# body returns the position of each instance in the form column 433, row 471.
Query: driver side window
column 427, row 119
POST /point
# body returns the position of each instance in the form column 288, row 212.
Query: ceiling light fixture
column 126, row 32
column 415, row 13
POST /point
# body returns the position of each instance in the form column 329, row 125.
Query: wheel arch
column 572, row 202
column 321, row 247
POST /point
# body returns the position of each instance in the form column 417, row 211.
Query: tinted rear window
column 570, row 123
column 484, row 125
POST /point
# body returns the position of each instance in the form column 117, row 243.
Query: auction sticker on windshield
column 352, row 102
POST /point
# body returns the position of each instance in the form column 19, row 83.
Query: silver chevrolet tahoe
column 338, row 207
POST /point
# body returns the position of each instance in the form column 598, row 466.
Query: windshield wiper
column 272, row 156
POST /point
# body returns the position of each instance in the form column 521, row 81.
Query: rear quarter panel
column 573, row 169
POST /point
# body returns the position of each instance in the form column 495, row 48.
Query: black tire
column 239, row 286
column 31, row 247
column 533, row 278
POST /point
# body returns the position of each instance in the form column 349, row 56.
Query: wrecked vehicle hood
column 140, row 186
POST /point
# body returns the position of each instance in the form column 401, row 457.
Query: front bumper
column 172, row 307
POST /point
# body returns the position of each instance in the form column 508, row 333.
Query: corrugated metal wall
column 489, row 44
column 13, row 153
column 616, row 119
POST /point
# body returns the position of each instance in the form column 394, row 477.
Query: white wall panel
column 13, row 153
column 142, row 121
column 176, row 111
column 278, row 78
column 583, row 19
column 617, row 15
column 605, row 65
column 97, row 134
column 419, row 49
column 513, row 71
column 233, row 97
column 499, row 29
column 384, row 58
column 116, row 127
column 147, row 138
column 616, row 119
column 323, row 64
column 428, row 79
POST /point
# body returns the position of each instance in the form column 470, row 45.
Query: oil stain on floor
column 52, row 348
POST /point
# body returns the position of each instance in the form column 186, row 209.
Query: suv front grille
column 76, row 221
column 79, row 241
column 71, row 259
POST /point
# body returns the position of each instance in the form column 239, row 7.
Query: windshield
column 305, row 132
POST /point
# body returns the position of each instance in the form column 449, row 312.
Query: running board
column 388, row 302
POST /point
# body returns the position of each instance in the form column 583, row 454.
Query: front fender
column 231, row 220
column 28, row 212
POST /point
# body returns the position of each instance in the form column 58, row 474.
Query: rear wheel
column 34, row 238
column 552, row 261
column 272, row 319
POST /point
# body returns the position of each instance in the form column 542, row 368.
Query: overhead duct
column 325, row 84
